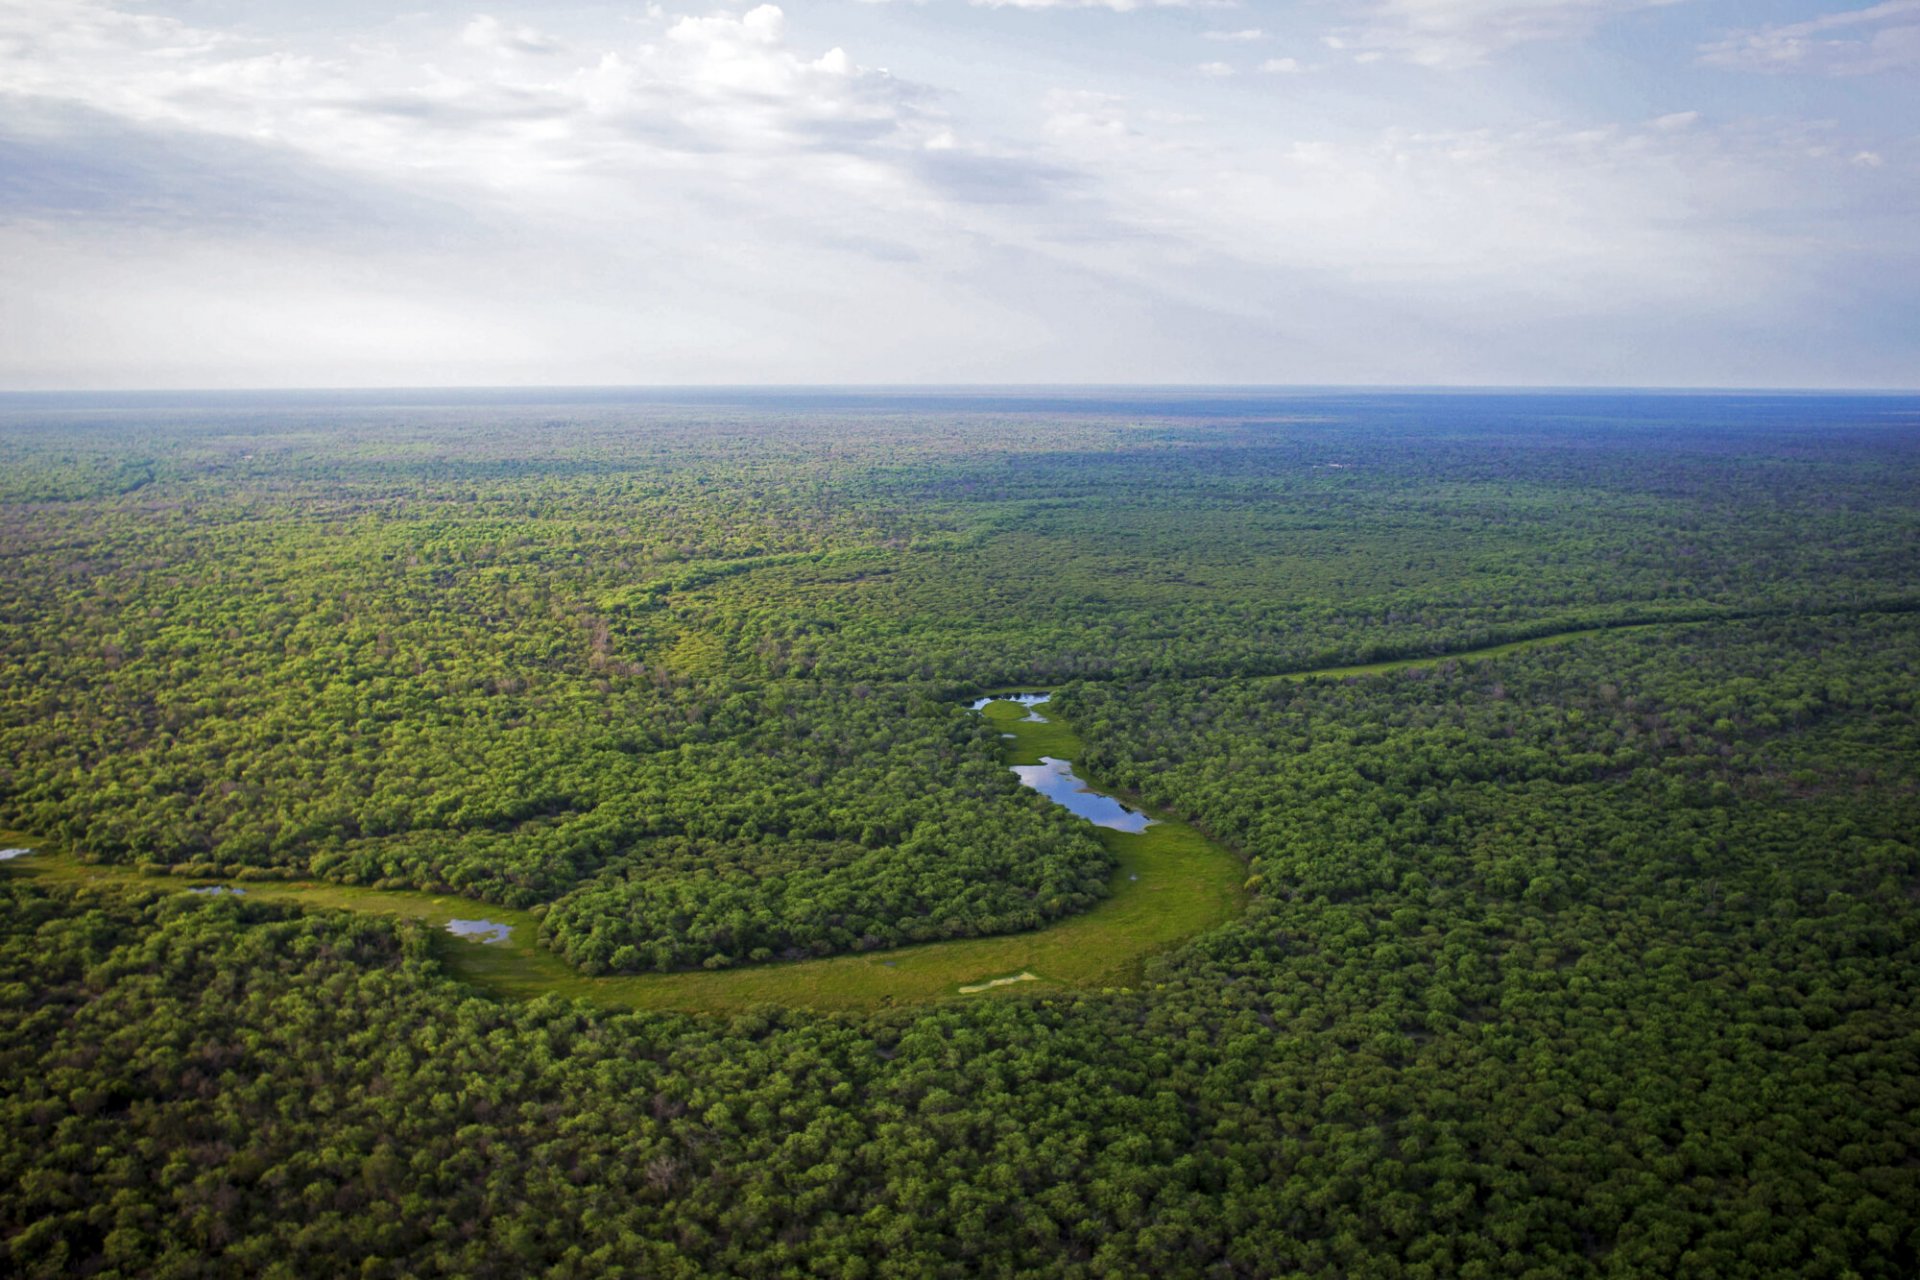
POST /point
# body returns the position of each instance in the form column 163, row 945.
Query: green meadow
column 1171, row 883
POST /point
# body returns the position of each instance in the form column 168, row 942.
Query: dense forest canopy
column 1595, row 958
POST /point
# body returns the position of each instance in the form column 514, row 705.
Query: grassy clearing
column 1468, row 655
column 1172, row 883
column 1048, row 736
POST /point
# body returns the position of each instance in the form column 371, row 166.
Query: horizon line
column 927, row 388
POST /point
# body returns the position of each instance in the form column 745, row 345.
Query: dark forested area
column 1596, row 958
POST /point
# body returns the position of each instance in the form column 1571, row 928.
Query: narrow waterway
column 1171, row 883
column 1055, row 780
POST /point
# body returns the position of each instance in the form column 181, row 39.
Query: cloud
column 1116, row 6
column 1247, row 36
column 76, row 166
column 711, row 86
column 1086, row 113
column 1884, row 37
column 1672, row 212
column 1451, row 34
column 763, row 26
column 977, row 178
column 487, row 32
column 708, row 200
column 717, row 196
column 1215, row 70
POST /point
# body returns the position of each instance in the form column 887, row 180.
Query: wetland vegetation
column 1163, row 890
column 1590, row 949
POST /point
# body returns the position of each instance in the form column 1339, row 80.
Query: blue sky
column 1466, row 192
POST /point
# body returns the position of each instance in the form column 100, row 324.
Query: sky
column 211, row 193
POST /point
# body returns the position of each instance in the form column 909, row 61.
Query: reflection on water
column 479, row 930
column 1054, row 779
column 8, row 855
column 216, row 889
column 1023, row 699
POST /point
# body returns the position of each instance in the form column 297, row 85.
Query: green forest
column 1590, row 957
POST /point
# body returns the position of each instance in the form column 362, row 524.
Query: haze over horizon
column 1484, row 193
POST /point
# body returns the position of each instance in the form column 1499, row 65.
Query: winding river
column 1055, row 780
column 1171, row 883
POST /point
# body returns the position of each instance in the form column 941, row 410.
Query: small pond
column 218, row 889
column 8, row 855
column 1021, row 699
column 1054, row 779
column 479, row 930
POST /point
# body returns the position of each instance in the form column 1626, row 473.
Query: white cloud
column 1247, row 36
column 763, row 26
column 1116, row 6
column 488, row 32
column 1669, row 213
column 709, row 201
column 1086, row 113
column 1452, row 34
column 1883, row 37
column 1215, row 70
column 727, row 195
column 713, row 86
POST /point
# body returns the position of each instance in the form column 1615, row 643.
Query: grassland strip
column 1172, row 883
